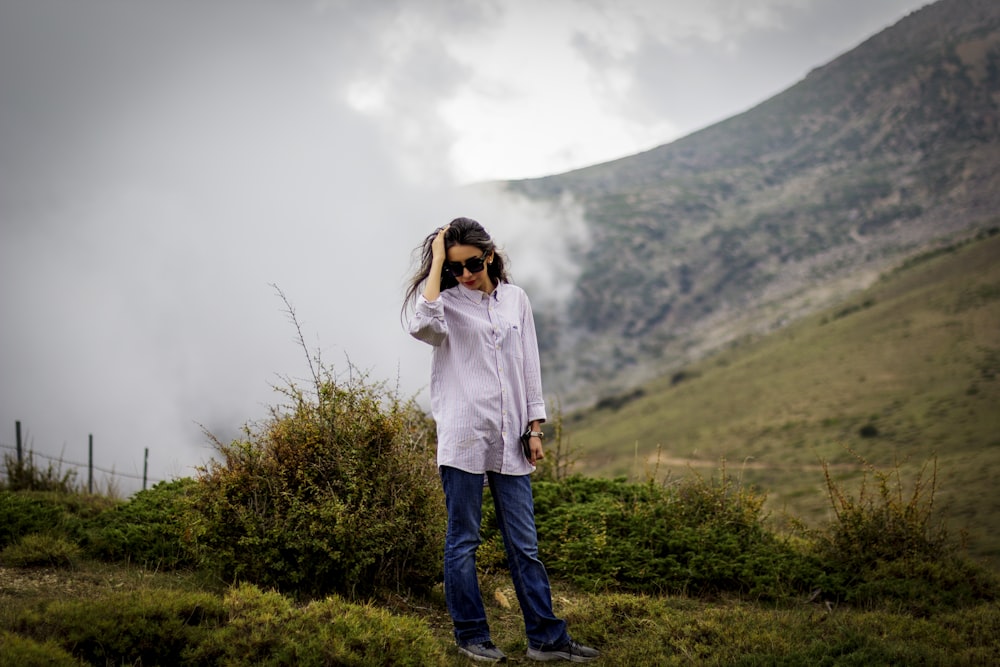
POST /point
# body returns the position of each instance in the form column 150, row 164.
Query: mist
column 164, row 177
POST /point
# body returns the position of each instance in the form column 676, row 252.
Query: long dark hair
column 461, row 231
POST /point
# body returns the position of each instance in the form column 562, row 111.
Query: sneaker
column 571, row 650
column 485, row 652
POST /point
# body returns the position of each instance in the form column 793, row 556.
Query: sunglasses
column 474, row 265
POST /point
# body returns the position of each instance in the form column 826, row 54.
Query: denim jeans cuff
column 473, row 642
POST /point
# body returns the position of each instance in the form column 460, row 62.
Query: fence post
column 145, row 468
column 90, row 465
column 20, row 450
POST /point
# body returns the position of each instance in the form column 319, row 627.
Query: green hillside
column 777, row 212
column 900, row 373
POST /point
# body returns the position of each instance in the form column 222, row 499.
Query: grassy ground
column 631, row 629
column 906, row 371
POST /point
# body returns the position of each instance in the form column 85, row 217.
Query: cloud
column 543, row 241
column 403, row 86
column 167, row 166
column 725, row 57
column 537, row 107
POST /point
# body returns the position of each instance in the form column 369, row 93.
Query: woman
column 486, row 391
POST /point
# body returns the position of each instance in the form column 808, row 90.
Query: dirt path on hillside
column 747, row 464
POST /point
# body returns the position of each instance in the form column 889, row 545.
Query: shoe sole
column 538, row 656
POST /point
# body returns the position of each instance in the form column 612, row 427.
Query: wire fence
column 29, row 454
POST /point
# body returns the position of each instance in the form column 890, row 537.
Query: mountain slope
column 789, row 207
column 907, row 369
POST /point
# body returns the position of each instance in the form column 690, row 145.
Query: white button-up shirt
column 486, row 380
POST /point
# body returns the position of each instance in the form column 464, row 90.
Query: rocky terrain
column 746, row 225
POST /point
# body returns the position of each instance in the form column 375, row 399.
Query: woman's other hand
column 537, row 452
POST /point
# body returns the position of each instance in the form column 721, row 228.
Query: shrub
column 40, row 550
column 699, row 536
column 148, row 529
column 868, row 431
column 925, row 587
column 263, row 628
column 247, row 626
column 152, row 627
column 57, row 513
column 889, row 545
column 336, row 492
column 884, row 524
column 21, row 514
column 16, row 651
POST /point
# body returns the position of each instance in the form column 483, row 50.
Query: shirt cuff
column 429, row 307
column 536, row 412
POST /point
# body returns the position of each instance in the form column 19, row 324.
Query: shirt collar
column 476, row 296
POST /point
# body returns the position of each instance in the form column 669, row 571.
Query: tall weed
column 884, row 522
column 559, row 456
column 889, row 545
column 25, row 475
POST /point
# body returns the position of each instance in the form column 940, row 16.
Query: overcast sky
column 163, row 164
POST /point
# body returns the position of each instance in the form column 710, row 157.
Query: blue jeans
column 463, row 492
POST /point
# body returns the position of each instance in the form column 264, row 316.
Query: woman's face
column 480, row 280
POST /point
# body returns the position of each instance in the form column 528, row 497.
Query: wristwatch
column 536, row 434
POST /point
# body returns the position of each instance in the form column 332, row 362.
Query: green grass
column 913, row 362
column 677, row 574
column 117, row 614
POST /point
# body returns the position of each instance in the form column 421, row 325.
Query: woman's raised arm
column 432, row 289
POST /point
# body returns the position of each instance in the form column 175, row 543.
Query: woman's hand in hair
column 432, row 290
column 438, row 252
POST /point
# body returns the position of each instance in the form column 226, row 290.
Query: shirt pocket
column 514, row 344
column 507, row 337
